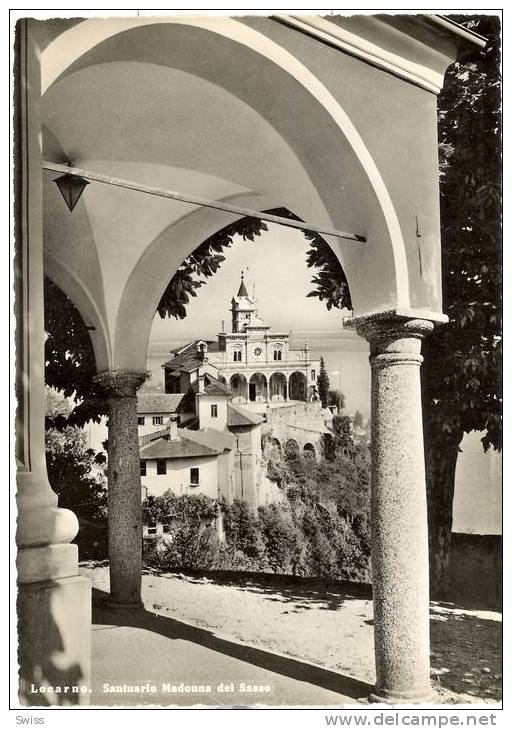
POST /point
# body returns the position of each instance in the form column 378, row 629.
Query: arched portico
column 258, row 387
column 239, row 387
column 130, row 72
column 297, row 385
column 278, row 386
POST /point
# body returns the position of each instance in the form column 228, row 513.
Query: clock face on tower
column 258, row 352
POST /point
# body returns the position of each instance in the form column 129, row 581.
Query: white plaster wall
column 148, row 426
column 177, row 478
column 203, row 407
column 477, row 503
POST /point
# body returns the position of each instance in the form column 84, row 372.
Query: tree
column 69, row 361
column 322, row 383
column 336, row 398
column 462, row 368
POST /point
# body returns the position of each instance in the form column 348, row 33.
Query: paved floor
column 182, row 665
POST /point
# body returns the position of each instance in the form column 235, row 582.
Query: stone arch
column 297, row 385
column 258, row 387
column 291, row 448
column 309, row 450
column 74, row 49
column 278, row 386
column 82, row 38
column 239, row 387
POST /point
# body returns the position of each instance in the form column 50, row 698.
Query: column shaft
column 399, row 512
column 124, row 488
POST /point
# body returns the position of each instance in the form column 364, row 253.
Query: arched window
column 237, row 355
column 313, row 375
column 277, row 354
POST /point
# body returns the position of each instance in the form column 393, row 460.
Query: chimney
column 173, row 427
column 201, row 350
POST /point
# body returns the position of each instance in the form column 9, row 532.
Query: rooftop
column 185, row 357
column 240, row 416
column 212, row 386
column 189, row 444
column 158, row 403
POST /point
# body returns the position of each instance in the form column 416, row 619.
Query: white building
column 218, row 454
column 256, row 363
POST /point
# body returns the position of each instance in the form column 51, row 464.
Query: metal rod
column 193, row 200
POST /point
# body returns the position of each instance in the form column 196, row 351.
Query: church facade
column 256, row 363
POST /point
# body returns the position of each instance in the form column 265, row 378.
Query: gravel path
column 327, row 626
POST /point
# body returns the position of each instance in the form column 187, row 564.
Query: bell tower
column 243, row 308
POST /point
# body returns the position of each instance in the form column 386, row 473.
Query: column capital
column 120, row 383
column 393, row 338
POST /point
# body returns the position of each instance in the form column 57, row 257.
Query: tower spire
column 242, row 291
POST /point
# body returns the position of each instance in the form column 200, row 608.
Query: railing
column 144, row 440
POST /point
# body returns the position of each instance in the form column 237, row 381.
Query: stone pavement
column 182, row 665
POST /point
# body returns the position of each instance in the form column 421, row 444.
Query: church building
column 256, row 363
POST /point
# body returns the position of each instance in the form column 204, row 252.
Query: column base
column 110, row 604
column 54, row 642
column 381, row 696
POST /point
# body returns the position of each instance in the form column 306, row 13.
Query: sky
column 275, row 263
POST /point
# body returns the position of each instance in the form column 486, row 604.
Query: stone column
column 124, row 488
column 398, row 510
column 53, row 600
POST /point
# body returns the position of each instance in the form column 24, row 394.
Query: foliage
column 71, row 466
column 242, row 531
column 202, row 264
column 320, row 528
column 336, row 398
column 69, row 360
column 190, row 546
column 461, row 375
column 461, row 385
column 279, row 535
column 168, row 506
column 322, row 383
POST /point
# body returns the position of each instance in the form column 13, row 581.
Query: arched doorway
column 278, row 389
column 238, row 385
column 298, row 385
